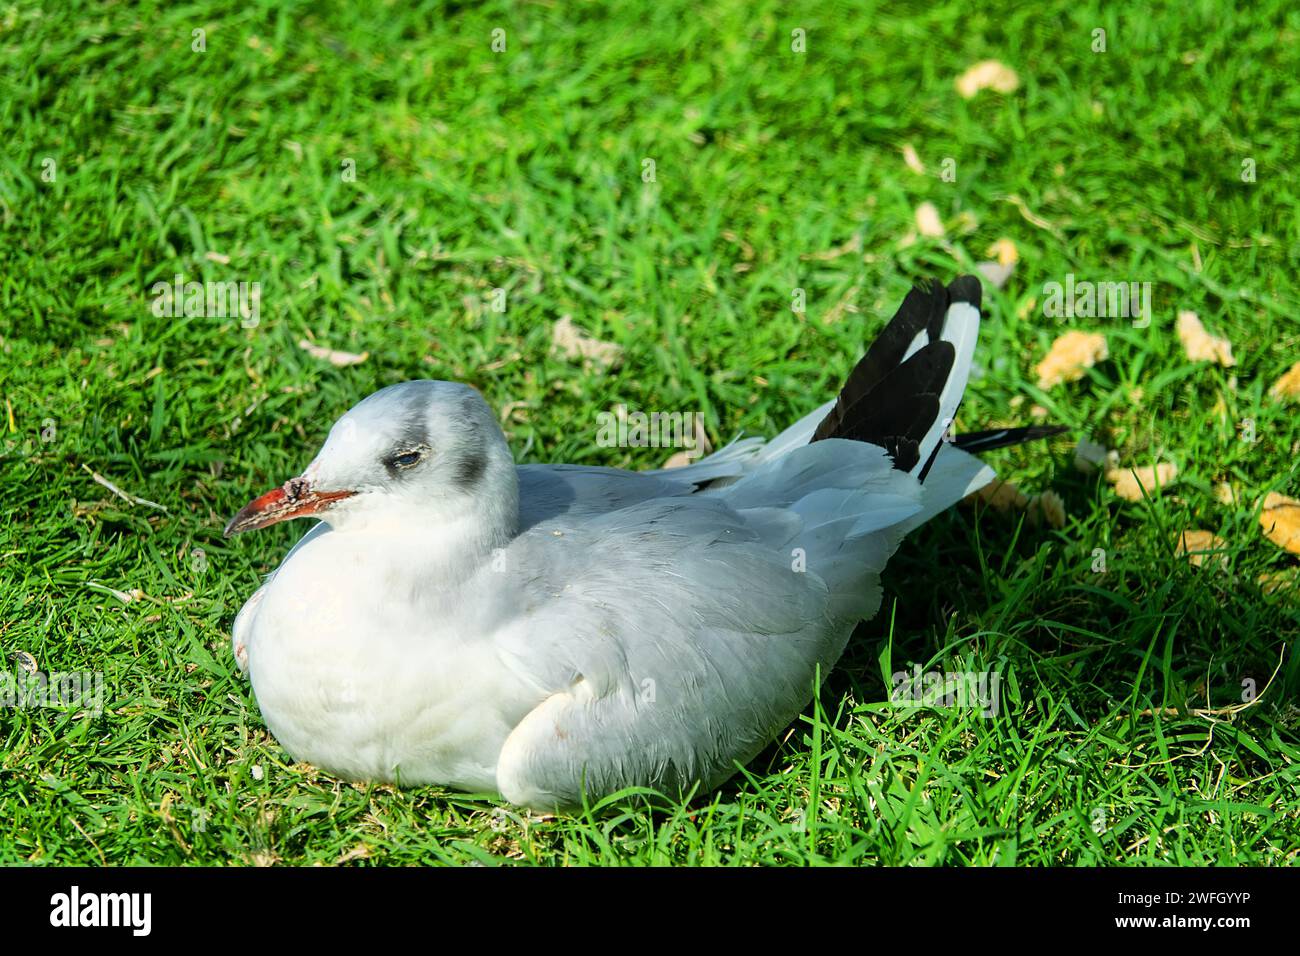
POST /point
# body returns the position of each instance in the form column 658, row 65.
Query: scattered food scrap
column 1049, row 508
column 928, row 222
column 1004, row 251
column 912, row 160
column 1200, row 345
column 571, row 342
column 1131, row 482
column 1003, row 255
column 1201, row 546
column 1225, row 494
column 987, row 75
column 1288, row 386
column 333, row 356
column 1280, row 521
column 1070, row 357
column 1275, row 582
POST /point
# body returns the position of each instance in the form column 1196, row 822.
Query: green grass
column 774, row 171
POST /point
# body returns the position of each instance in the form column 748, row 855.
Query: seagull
column 553, row 634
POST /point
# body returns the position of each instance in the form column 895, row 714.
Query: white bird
column 546, row 632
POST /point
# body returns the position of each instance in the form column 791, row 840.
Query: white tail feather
column 961, row 327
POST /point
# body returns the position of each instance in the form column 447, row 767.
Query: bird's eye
column 406, row 459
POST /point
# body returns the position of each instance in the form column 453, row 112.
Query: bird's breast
column 370, row 686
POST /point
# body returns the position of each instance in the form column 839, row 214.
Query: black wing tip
column 923, row 312
column 967, row 289
column 1036, row 432
column 1047, row 431
column 963, row 288
column 976, row 442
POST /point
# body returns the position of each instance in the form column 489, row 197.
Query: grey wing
column 676, row 638
column 565, row 493
column 568, row 492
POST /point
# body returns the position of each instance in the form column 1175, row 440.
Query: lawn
column 667, row 175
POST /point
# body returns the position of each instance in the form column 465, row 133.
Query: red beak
column 294, row 499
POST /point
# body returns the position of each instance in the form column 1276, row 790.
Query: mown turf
column 774, row 171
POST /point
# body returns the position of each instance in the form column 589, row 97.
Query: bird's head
column 417, row 451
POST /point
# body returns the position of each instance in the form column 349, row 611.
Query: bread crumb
column 1288, row 386
column 912, row 160
column 1130, row 482
column 1070, row 357
column 1271, row 582
column 1280, row 521
column 571, row 342
column 1004, row 251
column 1200, row 546
column 987, row 75
column 1200, row 345
column 1048, row 507
column 928, row 222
